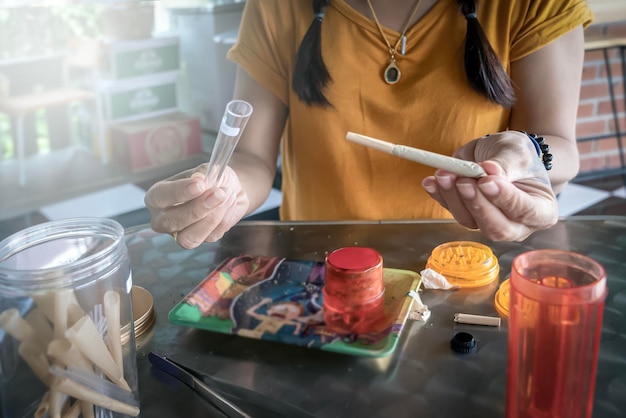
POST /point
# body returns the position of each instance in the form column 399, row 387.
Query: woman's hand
column 512, row 201
column 185, row 207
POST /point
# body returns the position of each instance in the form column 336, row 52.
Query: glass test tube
column 233, row 123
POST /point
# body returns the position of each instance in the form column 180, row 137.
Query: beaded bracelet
column 543, row 149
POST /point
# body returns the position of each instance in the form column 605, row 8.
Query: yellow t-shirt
column 326, row 177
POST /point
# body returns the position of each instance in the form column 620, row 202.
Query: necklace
column 392, row 73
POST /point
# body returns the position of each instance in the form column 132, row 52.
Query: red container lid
column 354, row 258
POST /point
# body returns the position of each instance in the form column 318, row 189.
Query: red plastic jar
column 354, row 290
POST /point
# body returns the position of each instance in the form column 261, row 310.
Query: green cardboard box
column 137, row 58
column 140, row 97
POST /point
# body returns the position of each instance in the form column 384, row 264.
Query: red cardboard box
column 157, row 141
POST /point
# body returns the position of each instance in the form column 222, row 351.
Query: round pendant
column 392, row 73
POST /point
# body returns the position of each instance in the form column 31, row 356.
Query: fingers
column 445, row 184
column 184, row 207
column 216, row 223
column 179, row 217
column 512, row 201
column 503, row 211
column 489, row 216
column 169, row 193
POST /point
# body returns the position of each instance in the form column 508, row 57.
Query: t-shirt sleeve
column 257, row 48
column 542, row 21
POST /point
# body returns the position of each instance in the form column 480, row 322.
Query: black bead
column 543, row 149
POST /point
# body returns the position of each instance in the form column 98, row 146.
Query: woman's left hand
column 514, row 200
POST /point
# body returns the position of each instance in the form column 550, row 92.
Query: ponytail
column 483, row 68
column 310, row 75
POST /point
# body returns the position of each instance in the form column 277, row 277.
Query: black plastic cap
column 463, row 342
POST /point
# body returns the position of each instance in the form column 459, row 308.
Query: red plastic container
column 555, row 321
column 353, row 290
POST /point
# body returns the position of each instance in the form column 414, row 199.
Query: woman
column 422, row 74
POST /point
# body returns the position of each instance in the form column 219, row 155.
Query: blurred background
column 99, row 99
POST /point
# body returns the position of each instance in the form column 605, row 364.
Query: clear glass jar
column 65, row 305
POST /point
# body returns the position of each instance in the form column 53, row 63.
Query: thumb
column 493, row 168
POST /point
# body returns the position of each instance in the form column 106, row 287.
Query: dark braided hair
column 310, row 73
column 484, row 70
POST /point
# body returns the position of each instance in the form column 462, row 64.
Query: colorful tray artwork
column 278, row 299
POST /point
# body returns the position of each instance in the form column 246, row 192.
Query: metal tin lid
column 143, row 313
column 465, row 263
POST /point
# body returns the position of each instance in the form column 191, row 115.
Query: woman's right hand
column 186, row 208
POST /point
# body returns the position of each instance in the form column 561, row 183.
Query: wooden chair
column 19, row 106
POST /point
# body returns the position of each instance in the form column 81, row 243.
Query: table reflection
column 423, row 377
